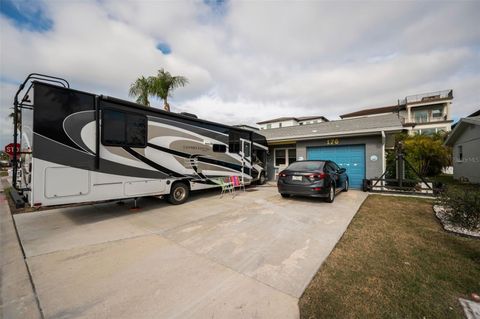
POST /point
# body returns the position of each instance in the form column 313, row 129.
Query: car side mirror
column 342, row 170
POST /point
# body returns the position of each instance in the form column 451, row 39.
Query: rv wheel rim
column 179, row 193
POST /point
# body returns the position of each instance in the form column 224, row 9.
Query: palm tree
column 141, row 89
column 163, row 84
column 19, row 119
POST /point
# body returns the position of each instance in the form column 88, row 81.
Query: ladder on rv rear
column 25, row 103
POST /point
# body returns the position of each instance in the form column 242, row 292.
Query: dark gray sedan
column 322, row 178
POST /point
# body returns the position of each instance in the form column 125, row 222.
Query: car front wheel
column 331, row 194
column 345, row 189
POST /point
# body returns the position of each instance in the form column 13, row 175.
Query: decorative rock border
column 448, row 226
column 471, row 308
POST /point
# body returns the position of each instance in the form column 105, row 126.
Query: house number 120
column 333, row 141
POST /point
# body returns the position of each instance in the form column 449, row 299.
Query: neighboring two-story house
column 426, row 113
column 357, row 142
column 291, row 121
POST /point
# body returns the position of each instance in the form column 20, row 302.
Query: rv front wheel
column 262, row 179
column 178, row 193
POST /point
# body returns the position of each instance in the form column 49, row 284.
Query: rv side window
column 123, row 129
column 233, row 142
column 113, row 128
column 136, row 130
column 219, row 148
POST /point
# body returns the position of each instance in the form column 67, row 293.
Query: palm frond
column 140, row 89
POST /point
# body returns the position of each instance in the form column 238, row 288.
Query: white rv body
column 74, row 149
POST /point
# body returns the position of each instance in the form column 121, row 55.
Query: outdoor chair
column 226, row 184
column 237, row 182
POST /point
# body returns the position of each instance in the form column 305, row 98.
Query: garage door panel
column 351, row 157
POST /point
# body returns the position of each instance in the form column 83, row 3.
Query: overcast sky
column 248, row 61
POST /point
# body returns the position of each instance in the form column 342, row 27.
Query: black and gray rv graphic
column 81, row 147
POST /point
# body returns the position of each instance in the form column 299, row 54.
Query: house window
column 279, row 124
column 437, row 113
column 428, row 131
column 292, row 155
column 421, row 117
column 123, row 129
column 280, row 158
column 460, row 152
column 269, row 125
column 285, row 156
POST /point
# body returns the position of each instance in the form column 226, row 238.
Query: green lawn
column 395, row 261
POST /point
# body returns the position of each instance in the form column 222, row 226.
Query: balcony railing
column 427, row 97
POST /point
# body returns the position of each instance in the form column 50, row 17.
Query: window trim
column 102, row 133
column 286, row 149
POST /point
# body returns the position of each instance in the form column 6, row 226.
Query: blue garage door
column 351, row 157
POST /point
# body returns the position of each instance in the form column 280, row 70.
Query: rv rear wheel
column 178, row 193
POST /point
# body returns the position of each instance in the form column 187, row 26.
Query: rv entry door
column 246, row 150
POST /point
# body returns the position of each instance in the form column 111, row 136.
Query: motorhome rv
column 82, row 147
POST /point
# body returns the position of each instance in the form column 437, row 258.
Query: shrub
column 462, row 205
column 425, row 153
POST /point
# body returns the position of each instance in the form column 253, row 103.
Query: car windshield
column 306, row 166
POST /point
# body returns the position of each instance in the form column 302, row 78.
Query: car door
column 332, row 174
column 340, row 175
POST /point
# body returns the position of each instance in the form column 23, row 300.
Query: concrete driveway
column 245, row 257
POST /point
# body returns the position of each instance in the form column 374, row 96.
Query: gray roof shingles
column 347, row 126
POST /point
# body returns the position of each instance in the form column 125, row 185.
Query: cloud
column 250, row 61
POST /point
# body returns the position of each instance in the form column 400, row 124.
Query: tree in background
column 160, row 86
column 141, row 89
column 163, row 84
column 19, row 119
column 4, row 156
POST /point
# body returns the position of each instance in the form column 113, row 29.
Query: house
column 359, row 140
column 465, row 142
column 356, row 143
column 291, row 121
column 426, row 113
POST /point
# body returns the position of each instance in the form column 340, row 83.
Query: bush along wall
column 462, row 205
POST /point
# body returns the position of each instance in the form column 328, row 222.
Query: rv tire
column 178, row 193
column 262, row 179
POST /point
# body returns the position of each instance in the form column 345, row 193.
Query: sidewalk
column 17, row 298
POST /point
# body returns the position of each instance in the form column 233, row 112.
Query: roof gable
column 460, row 128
